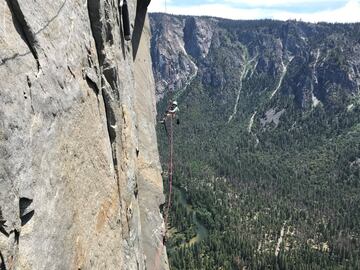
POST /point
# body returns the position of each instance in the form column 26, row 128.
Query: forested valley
column 267, row 153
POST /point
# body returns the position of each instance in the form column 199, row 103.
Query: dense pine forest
column 267, row 179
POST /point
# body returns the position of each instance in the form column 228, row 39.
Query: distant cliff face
column 176, row 45
column 80, row 183
column 313, row 63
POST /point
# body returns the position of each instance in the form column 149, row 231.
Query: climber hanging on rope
column 171, row 111
column 168, row 120
column 169, row 116
column 173, row 107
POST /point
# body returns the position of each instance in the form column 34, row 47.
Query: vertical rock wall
column 178, row 46
column 80, row 183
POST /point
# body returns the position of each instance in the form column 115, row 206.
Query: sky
column 306, row 10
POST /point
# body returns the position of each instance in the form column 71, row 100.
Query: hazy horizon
column 333, row 11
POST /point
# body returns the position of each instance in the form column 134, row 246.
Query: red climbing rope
column 170, row 166
column 170, row 135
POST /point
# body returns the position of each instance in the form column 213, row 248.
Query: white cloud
column 160, row 5
column 217, row 10
column 350, row 12
column 282, row 3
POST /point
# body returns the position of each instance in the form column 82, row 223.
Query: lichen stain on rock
column 107, row 211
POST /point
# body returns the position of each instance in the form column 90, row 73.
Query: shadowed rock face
column 80, row 183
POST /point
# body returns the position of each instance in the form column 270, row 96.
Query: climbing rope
column 170, row 167
column 170, row 134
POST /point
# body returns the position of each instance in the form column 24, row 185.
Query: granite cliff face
column 176, row 43
column 310, row 62
column 80, row 182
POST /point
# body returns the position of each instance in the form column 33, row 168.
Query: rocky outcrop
column 311, row 63
column 176, row 45
column 80, row 183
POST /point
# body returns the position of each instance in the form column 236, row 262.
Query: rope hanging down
column 170, row 165
column 170, row 115
column 168, row 122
